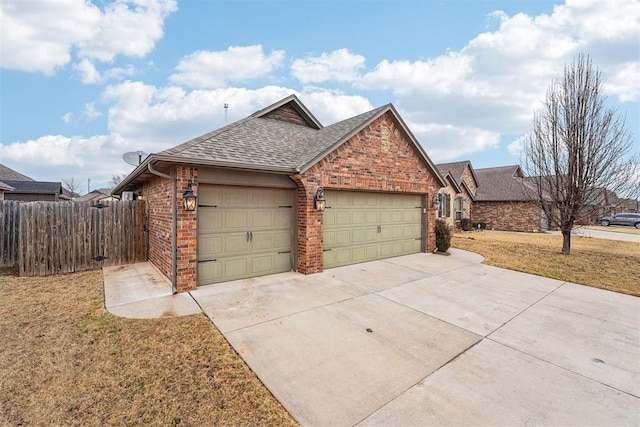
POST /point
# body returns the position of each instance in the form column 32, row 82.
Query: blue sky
column 83, row 82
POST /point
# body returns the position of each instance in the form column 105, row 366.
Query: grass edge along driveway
column 606, row 264
column 66, row 361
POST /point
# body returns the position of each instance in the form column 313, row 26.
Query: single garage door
column 361, row 226
column 243, row 232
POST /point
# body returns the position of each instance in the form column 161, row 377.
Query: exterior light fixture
column 318, row 201
column 140, row 196
column 435, row 202
column 189, row 198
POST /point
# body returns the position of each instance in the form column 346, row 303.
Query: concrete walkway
column 434, row 340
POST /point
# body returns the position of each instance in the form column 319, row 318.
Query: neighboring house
column 97, row 195
column 32, row 191
column 459, row 194
column 505, row 201
column 260, row 181
column 7, row 173
column 27, row 189
column 4, row 187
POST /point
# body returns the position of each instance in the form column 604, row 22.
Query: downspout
column 174, row 227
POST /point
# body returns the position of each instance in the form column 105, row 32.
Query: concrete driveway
column 435, row 340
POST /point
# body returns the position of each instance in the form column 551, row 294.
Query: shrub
column 443, row 236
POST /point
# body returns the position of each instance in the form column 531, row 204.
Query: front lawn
column 64, row 360
column 607, row 264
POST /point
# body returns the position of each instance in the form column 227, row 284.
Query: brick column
column 187, row 244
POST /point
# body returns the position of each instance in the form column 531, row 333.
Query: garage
column 366, row 226
column 243, row 232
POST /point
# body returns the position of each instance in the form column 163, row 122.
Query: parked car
column 621, row 219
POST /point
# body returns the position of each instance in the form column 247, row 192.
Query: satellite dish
column 134, row 158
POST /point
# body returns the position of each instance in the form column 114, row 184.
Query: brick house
column 259, row 182
column 459, row 194
column 504, row 201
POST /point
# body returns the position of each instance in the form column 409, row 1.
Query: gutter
column 174, row 227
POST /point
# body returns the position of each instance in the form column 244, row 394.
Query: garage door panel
column 364, row 226
column 248, row 233
column 210, row 245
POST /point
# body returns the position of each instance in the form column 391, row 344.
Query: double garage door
column 362, row 226
column 249, row 231
column 243, row 232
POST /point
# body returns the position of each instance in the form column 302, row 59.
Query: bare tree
column 116, row 179
column 578, row 149
column 72, row 185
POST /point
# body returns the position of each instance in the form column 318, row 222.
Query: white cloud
column 88, row 73
column 515, row 148
column 55, row 150
column 445, row 142
column 41, row 36
column 339, row 65
column 209, row 70
column 67, row 117
column 91, row 112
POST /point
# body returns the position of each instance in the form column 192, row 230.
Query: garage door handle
column 251, row 236
column 284, row 252
column 247, row 236
column 326, row 250
column 206, row 260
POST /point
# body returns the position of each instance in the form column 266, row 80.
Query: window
column 445, row 205
column 458, row 207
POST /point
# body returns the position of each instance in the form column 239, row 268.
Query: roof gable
column 273, row 140
column 291, row 110
column 457, row 170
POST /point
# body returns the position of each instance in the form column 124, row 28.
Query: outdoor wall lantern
column 318, row 201
column 189, row 198
column 435, row 202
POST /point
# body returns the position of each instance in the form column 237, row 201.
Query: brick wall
column 379, row 158
column 159, row 193
column 508, row 216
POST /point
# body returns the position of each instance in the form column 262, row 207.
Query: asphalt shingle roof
column 260, row 141
column 502, row 184
column 36, row 187
column 7, row 173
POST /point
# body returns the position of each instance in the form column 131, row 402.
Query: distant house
column 32, row 191
column 456, row 198
column 97, row 195
column 505, row 201
column 27, row 189
column 4, row 187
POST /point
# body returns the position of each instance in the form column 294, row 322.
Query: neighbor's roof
column 5, row 187
column 34, row 187
column 262, row 143
column 97, row 193
column 457, row 170
column 7, row 173
column 502, row 184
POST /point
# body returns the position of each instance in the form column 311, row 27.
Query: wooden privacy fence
column 9, row 212
column 55, row 237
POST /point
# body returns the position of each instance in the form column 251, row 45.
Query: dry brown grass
column 613, row 229
column 65, row 360
column 606, row 264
